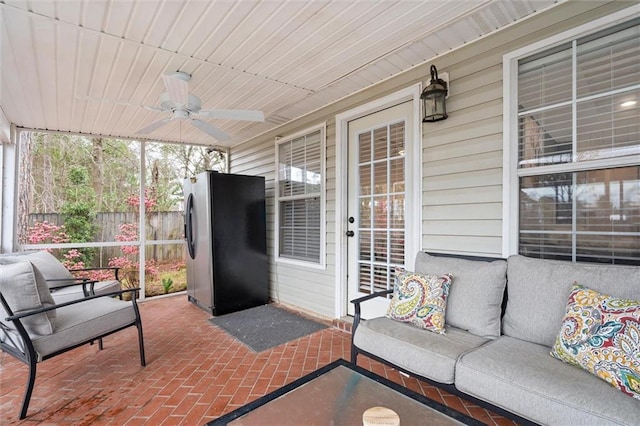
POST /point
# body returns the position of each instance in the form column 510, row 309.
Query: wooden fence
column 159, row 226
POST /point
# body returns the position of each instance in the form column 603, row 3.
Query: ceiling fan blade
column 233, row 114
column 153, row 126
column 177, row 87
column 210, row 130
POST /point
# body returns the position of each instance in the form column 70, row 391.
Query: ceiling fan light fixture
column 180, row 114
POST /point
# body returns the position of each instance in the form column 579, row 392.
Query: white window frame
column 321, row 264
column 511, row 188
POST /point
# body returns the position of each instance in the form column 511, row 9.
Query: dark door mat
column 266, row 326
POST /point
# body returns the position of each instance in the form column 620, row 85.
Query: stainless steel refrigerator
column 225, row 233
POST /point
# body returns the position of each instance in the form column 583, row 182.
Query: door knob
column 351, row 219
column 350, row 233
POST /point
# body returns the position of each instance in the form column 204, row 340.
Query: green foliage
column 167, row 283
column 78, row 211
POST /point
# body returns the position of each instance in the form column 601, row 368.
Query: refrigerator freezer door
column 199, row 260
column 239, row 243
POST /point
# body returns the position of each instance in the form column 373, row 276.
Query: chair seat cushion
column 418, row 351
column 81, row 322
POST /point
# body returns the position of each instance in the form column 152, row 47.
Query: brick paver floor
column 195, row 372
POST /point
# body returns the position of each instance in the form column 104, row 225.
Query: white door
column 377, row 199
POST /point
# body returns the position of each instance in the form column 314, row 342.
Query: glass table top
column 339, row 395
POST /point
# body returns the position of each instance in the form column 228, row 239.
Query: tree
column 24, row 183
column 79, row 210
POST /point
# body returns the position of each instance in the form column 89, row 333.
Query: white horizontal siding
column 461, row 157
column 307, row 288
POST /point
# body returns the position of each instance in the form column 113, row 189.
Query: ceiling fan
column 182, row 105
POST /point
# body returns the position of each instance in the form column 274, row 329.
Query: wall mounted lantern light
column 433, row 98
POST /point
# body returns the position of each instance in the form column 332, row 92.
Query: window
column 578, row 148
column 300, row 197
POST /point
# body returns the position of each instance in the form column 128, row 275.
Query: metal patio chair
column 34, row 327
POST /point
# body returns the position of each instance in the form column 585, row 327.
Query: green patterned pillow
column 601, row 334
column 420, row 299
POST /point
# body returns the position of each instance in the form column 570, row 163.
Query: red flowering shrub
column 128, row 262
column 46, row 233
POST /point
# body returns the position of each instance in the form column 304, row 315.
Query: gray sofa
column 497, row 343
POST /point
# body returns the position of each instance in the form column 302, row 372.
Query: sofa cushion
column 24, row 288
column 420, row 299
column 420, row 352
column 521, row 377
column 538, row 291
column 475, row 298
column 601, row 334
column 47, row 264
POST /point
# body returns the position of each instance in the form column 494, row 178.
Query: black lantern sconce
column 433, row 97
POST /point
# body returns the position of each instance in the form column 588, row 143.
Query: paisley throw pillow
column 601, row 334
column 420, row 299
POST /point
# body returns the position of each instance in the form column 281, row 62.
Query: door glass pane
column 364, row 142
column 396, row 247
column 365, row 179
column 380, row 143
column 365, row 213
column 396, row 175
column 396, row 143
column 380, row 246
column 380, row 278
column 397, row 211
column 380, row 177
column 365, row 245
column 381, row 217
column 364, row 277
column 380, row 212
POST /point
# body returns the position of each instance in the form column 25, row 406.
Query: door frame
column 413, row 223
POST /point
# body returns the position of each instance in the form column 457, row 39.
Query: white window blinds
column 300, row 197
column 579, row 149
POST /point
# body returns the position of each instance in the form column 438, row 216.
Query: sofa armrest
column 358, row 301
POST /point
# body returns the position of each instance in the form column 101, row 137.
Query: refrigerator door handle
column 188, row 224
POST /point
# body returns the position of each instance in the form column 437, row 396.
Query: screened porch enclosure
column 104, row 202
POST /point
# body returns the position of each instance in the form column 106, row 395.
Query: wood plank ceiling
column 88, row 66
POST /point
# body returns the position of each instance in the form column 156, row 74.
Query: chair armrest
column 358, row 301
column 80, row 281
column 69, row 303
